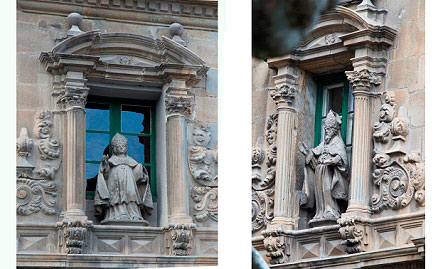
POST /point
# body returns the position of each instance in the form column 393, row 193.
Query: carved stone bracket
column 398, row 174
column 353, row 233
column 179, row 104
column 276, row 245
column 363, row 80
column 75, row 234
column 283, row 95
column 180, row 237
column 206, row 199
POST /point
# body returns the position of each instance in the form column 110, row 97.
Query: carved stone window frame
column 158, row 69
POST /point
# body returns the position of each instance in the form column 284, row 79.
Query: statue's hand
column 303, row 148
column 105, row 163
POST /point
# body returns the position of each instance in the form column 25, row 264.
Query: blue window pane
column 135, row 119
column 139, row 149
column 97, row 117
column 96, row 146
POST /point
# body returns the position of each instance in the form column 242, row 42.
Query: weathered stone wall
column 39, row 32
column 404, row 75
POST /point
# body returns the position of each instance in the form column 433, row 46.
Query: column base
column 363, row 210
column 176, row 219
column 282, row 223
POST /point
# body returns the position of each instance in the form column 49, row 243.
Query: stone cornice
column 194, row 14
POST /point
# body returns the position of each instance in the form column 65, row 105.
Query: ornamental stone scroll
column 36, row 189
column 203, row 165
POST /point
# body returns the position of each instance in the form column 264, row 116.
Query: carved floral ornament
column 399, row 175
column 353, row 233
column 36, row 190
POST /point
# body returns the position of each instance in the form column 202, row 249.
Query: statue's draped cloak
column 338, row 175
column 120, row 185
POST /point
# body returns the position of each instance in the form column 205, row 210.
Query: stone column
column 74, row 227
column 362, row 82
column 354, row 229
column 284, row 96
column 178, row 105
column 72, row 100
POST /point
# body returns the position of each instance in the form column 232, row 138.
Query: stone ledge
column 110, row 261
column 379, row 257
column 201, row 15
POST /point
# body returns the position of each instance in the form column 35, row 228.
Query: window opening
column 335, row 93
column 134, row 119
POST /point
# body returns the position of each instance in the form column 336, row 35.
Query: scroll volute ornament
column 398, row 174
column 276, row 246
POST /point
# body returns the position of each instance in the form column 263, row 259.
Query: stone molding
column 196, row 14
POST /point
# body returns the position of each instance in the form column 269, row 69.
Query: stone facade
column 163, row 52
column 377, row 47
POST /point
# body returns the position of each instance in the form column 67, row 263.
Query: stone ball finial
column 176, row 29
column 74, row 19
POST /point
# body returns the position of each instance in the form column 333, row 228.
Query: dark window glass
column 335, row 100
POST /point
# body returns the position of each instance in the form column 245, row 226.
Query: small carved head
column 119, row 144
column 387, row 112
column 399, row 127
column 201, row 135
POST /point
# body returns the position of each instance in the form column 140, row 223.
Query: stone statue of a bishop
column 123, row 188
column 328, row 162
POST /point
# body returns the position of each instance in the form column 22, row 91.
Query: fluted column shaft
column 285, row 167
column 177, row 169
column 75, row 172
column 363, row 81
column 360, row 173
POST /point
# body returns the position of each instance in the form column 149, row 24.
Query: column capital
column 74, row 91
column 283, row 95
column 363, row 80
column 175, row 104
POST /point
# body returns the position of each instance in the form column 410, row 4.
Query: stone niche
column 385, row 209
column 54, row 218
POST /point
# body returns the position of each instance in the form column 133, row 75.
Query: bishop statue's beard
column 329, row 135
